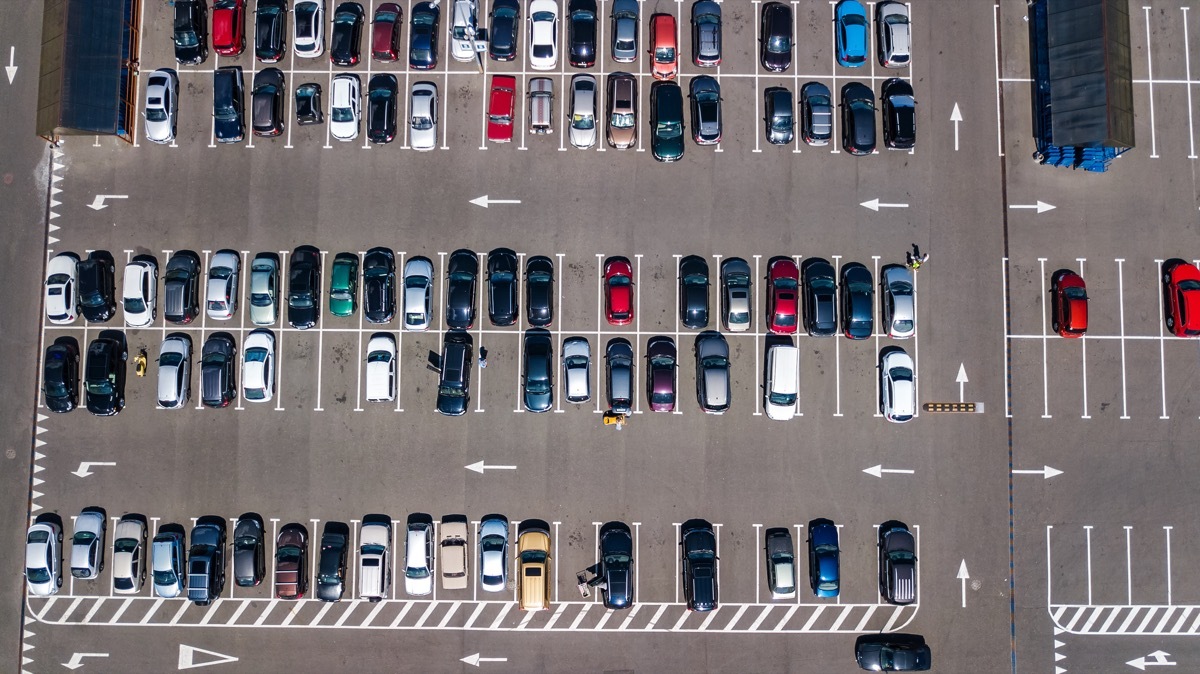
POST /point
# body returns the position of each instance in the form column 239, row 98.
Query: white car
column 493, row 553
column 258, row 366
column 897, row 386
column 374, row 571
column 43, row 559
column 308, row 28
column 543, row 34
column 345, row 111
column 222, row 297
column 418, row 559
column 418, row 294
column 381, row 368
column 422, row 123
column 140, row 292
column 462, row 30
column 264, row 281
column 87, row 545
column 62, row 300
column 583, row 112
column 129, row 555
column 174, row 371
column 577, row 369
column 162, row 106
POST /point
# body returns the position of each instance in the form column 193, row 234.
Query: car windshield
column 186, row 38
column 782, row 121
column 543, row 16
column 260, row 299
column 624, row 45
column 662, row 398
column 695, row 280
column 103, row 387
column 537, row 387
column 904, row 102
column 902, row 374
column 617, row 559
column 502, row 277
column 583, row 121
column 1075, row 293
column 155, row 114
column 622, row 120
column 822, row 284
column 256, row 355
column 902, row 326
column 83, row 537
column 165, row 578
column 245, row 543
column 573, row 362
column 713, row 362
column 57, row 279
column 95, row 299
column 385, row 17
column 451, row 392
column 785, row 283
column 300, row 300
column 342, row 114
column 422, row 19
column 739, row 318
column 901, row 556
column 462, row 276
column 55, row 388
column 619, row 281
column 785, row 319
column 664, row 54
column 422, row 123
column 414, row 318
column 372, row 550
column 288, row 554
column 1189, row 285
column 379, row 357
column 533, row 557
column 669, row 129
column 662, row 361
column 901, row 288
column 779, row 44
column 784, row 399
column 134, row 305
column 170, row 359
column 38, row 575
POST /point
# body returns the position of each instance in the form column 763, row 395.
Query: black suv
column 381, row 108
column 379, row 285
column 97, row 287
column 229, row 124
column 461, row 274
column 218, row 367
column 454, row 384
column 820, row 297
column 181, row 287
column 104, row 373
column 699, row 545
column 502, row 286
column 191, row 31
column 266, row 102
column 897, row 563
column 206, row 560
column 538, row 378
column 60, row 375
column 270, row 30
column 539, row 291
column 693, row 292
column 582, row 26
column 304, row 288
column 858, row 119
column 331, row 568
column 899, row 115
column 858, row 299
column 249, row 551
column 616, row 559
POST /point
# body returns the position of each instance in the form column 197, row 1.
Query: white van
column 381, row 368
column 541, row 105
column 783, row 382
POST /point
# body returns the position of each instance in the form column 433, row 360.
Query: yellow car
column 533, row 575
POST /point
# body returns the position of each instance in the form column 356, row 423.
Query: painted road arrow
column 474, row 660
column 875, row 205
column 479, row 467
column 11, row 68
column 77, row 659
column 956, row 117
column 1045, row 471
column 878, row 471
column 485, row 201
column 187, row 657
column 1155, row 659
column 963, row 576
column 85, row 467
column 1041, row 206
column 98, row 203
column 961, row 379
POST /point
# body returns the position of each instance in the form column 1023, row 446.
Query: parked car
column 1181, row 298
column 897, row 388
column 60, row 375
column 174, row 371
column 206, row 561
column 850, row 33
column 706, row 33
column 618, row 357
column 304, row 287
column 381, row 368
column 129, row 555
column 461, row 275
column 87, row 544
column 779, row 117
column 616, row 559
column 706, row 110
column 345, row 111
column 454, row 383
column 291, row 562
column 666, row 121
column 249, row 551
column 816, row 114
column 308, row 28
column 1068, row 304
column 382, row 102
column 577, row 369
column 858, row 119
column 258, row 366
column 379, row 285
column 783, row 296
column 218, row 378
column 543, row 34
column 775, row 41
column 539, row 291
column 331, row 565
column 454, row 553
column 423, row 36
column 582, row 28
column 385, row 32
column 308, row 104
column 582, row 132
column 418, row 556
column 698, row 545
column 533, row 566
column 624, row 31
column 505, row 20
column 423, row 115
column 97, row 287
column 713, row 389
column 664, row 61
column 167, row 557
column 229, row 27
column 493, row 553
column 736, row 308
column 892, row 652
column 270, row 30
column 693, row 291
column 537, row 381
column 418, row 293
column 899, row 110
column 660, row 373
column 162, row 105
column 894, row 39
column 618, row 291
column 503, row 286
column 191, row 32
column 824, row 565
column 104, row 373
column 820, row 298
column 181, row 288
column 229, row 125
column 897, row 307
column 463, row 30
column 858, row 301
column 346, row 36
column 781, row 389
column 62, row 279
column 501, row 108
column 264, row 285
column 781, row 563
column 897, row 563
column 139, row 292
column 540, row 92
column 374, row 548
column 343, row 285
column 224, row 271
column 622, row 110
column 43, row 558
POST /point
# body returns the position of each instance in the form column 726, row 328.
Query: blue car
column 824, row 570
column 851, row 33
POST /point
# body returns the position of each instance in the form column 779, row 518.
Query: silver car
column 264, row 284
column 493, row 553
column 418, row 294
column 897, row 304
column 87, row 545
column 222, row 297
column 577, row 369
column 174, row 371
column 308, row 38
column 162, row 106
column 129, row 555
column 712, row 372
column 735, row 295
column 43, row 559
column 422, row 121
column 895, row 40
column 624, row 30
column 582, row 130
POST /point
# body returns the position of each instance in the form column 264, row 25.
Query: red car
column 618, row 291
column 1181, row 298
column 1068, row 303
column 385, row 32
column 500, row 109
column 229, row 27
column 783, row 281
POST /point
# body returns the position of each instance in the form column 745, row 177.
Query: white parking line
column 637, row 344
column 1167, row 532
column 1083, row 349
column 837, row 344
column 400, row 334
column 1162, row 357
column 757, row 566
column 758, row 94
column 479, row 316
column 1045, row 344
column 280, row 299
column 558, row 328
column 362, row 362
column 1087, row 529
column 1121, row 305
column 1128, row 567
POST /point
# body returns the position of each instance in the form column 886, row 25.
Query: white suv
column 345, row 111
column 381, row 368
column 374, row 571
column 418, row 557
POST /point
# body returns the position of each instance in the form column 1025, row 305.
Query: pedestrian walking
column 482, row 357
column 915, row 258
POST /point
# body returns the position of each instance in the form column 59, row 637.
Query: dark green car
column 666, row 121
column 343, row 285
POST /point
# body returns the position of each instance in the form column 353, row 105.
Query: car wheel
column 1054, row 326
column 60, row 580
column 121, row 403
column 1170, row 323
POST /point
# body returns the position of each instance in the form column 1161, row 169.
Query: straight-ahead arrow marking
column 963, row 576
column 11, row 68
column 961, row 379
column 956, row 117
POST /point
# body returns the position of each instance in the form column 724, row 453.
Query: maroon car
column 385, row 32
column 660, row 375
column 291, row 562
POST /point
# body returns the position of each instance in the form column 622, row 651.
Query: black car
column 379, row 284
column 97, row 287
column 381, row 108
column 775, row 41
column 699, row 550
column 347, row 34
column 820, row 297
column 505, row 19
column 104, row 373
column 693, row 292
column 249, row 551
column 538, row 378
column 502, row 269
column 858, row 119
column 181, row 287
column 582, row 28
column 270, row 30
column 706, row 34
column 229, row 125
column 60, row 375
column 461, row 275
column 454, row 382
column 781, row 121
column 191, row 32
column 893, row 652
column 897, row 563
column 616, row 564
column 539, row 291
column 423, row 37
column 331, row 566
column 308, row 104
column 705, row 94
column 666, row 121
column 304, row 288
column 899, row 114
column 266, row 102
column 218, row 370
column 816, row 114
column 858, row 300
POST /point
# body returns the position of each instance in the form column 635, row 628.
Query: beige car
column 533, row 570
column 622, row 110
column 454, row 552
